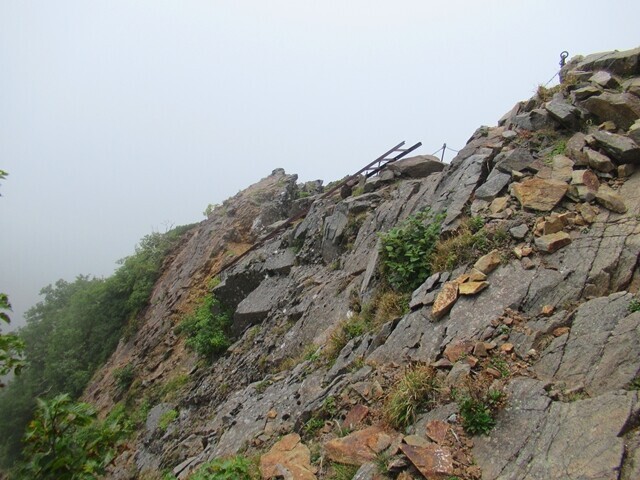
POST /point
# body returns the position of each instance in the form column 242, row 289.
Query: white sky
column 121, row 117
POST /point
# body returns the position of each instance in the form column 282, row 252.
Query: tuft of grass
column 415, row 391
column 167, row 418
column 634, row 306
column 313, row 426
column 343, row 472
column 466, row 245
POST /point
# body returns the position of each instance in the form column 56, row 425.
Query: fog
column 118, row 118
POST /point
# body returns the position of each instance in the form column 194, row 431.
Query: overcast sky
column 118, row 118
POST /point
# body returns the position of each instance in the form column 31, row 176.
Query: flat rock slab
column 619, row 147
column 358, row 447
column 540, row 194
column 433, row 461
column 490, row 189
column 552, row 242
column 445, row 300
column 288, row 455
column 417, row 167
column 625, row 63
column 538, row 439
column 621, row 108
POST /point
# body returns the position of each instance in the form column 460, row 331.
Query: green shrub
column 417, row 389
column 124, row 377
column 407, row 249
column 206, row 328
column 634, row 306
column 233, row 468
column 477, row 409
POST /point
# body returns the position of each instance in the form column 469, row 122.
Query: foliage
column 73, row 330
column 233, row 468
column 11, row 346
column 206, row 328
column 634, row 306
column 417, row 389
column 407, row 249
column 65, row 441
column 124, row 377
column 343, row 472
column 477, row 409
column 385, row 305
column 167, row 418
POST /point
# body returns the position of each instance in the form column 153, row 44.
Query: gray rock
column 621, row 108
column 602, row 351
column 417, row 167
column 598, row 161
column 257, row 305
column 583, row 93
column 516, row 160
column 281, row 262
column 421, row 295
column 237, row 284
column 537, row 119
column 604, row 79
column 624, row 63
column 519, row 232
column 334, row 228
column 564, row 113
column 490, row 189
column 619, row 147
column 367, row 471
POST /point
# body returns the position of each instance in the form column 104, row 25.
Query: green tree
column 11, row 346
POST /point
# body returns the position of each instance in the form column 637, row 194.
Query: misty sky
column 118, row 118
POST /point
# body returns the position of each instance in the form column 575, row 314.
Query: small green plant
column 206, row 328
column 416, row 390
column 262, row 386
column 167, row 418
column 312, row 426
column 477, row 417
column 501, row 366
column 634, row 306
column 343, row 472
column 233, row 468
column 635, row 383
column 124, row 377
column 407, row 249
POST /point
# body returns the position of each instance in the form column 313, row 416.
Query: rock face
column 538, row 299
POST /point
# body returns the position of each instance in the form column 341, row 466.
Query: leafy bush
column 11, row 346
column 206, row 328
column 234, row 468
column 65, row 441
column 477, row 409
column 407, row 248
column 417, row 389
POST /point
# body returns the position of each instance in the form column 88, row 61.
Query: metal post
column 444, row 147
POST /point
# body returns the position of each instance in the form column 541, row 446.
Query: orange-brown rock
column 358, row 447
column 472, row 288
column 355, row 416
column 456, row 350
column 288, row 455
column 437, row 430
column 445, row 300
column 489, row 262
column 540, row 194
column 551, row 243
column 432, row 461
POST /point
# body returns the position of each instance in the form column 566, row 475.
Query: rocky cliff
column 531, row 312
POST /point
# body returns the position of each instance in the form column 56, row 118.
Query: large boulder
column 417, row 167
column 625, row 63
column 539, row 193
column 619, row 147
column 621, row 108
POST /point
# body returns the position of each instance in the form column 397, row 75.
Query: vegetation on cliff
column 73, row 331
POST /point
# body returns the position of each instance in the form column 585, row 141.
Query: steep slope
column 547, row 318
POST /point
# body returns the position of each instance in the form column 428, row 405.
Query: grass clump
column 167, row 418
column 415, row 391
column 232, row 468
column 407, row 249
column 634, row 306
column 206, row 328
column 471, row 241
column 385, row 305
column 343, row 472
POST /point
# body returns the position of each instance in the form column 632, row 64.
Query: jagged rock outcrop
column 545, row 318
